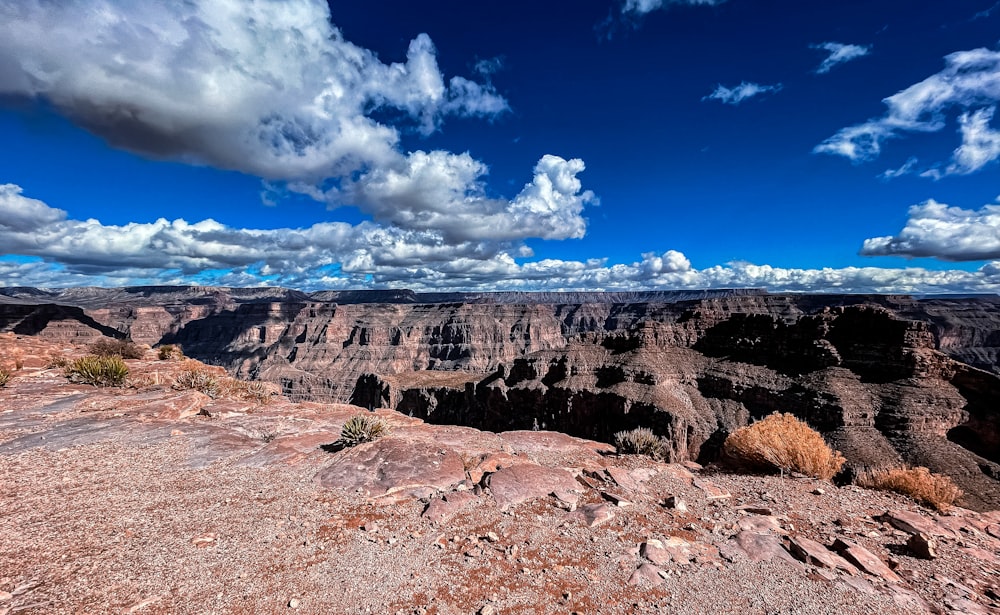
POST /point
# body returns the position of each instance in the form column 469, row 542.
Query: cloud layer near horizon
column 334, row 255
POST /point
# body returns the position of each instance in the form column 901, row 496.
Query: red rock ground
column 148, row 499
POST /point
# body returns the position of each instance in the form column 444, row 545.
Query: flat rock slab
column 812, row 552
column 593, row 515
column 390, row 465
column 624, row 479
column 865, row 560
column 762, row 547
column 913, row 523
column 176, row 407
column 711, row 490
column 526, row 481
column 550, row 441
column 440, row 510
column 647, row 574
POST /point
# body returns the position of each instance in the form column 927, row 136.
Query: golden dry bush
column 781, row 442
column 4, row 377
column 919, row 484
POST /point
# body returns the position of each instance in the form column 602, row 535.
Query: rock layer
column 887, row 379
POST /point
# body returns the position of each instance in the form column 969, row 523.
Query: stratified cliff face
column 888, row 379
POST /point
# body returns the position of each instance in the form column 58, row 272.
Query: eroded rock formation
column 887, row 379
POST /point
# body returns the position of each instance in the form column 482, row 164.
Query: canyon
column 888, row 380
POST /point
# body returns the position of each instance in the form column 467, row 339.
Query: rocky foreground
column 150, row 499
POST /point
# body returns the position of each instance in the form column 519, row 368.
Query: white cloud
column 338, row 255
column 839, row 53
column 444, row 192
column 940, row 231
column 970, row 81
column 641, row 7
column 980, row 143
column 267, row 88
column 907, row 168
column 741, row 92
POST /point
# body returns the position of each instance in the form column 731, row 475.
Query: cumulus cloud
column 445, row 192
column 641, row 7
column 741, row 92
column 67, row 252
column 940, row 231
column 838, row 53
column 970, row 82
column 268, row 88
column 274, row 90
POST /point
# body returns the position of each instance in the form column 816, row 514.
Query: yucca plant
column 362, row 428
column 98, row 371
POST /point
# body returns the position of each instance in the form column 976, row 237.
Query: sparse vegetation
column 781, row 442
column 108, row 347
column 920, row 484
column 4, row 377
column 200, row 379
column 57, row 361
column 98, row 371
column 216, row 385
column 169, row 352
column 362, row 428
column 639, row 441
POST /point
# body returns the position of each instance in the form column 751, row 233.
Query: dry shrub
column 639, row 441
column 783, row 443
column 169, row 352
column 218, row 386
column 57, row 361
column 108, row 347
column 4, row 377
column 920, row 484
column 98, row 371
column 199, row 378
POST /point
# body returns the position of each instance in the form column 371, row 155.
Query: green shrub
column 98, row 371
column 783, row 443
column 108, row 347
column 639, row 441
column 4, row 377
column 362, row 428
column 169, row 352
column 919, row 484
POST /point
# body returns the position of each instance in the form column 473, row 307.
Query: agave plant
column 362, row 428
column 98, row 371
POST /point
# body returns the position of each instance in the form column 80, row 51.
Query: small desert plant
column 920, row 484
column 169, row 352
column 57, row 361
column 254, row 390
column 784, row 443
column 199, row 379
column 362, row 428
column 98, row 371
column 639, row 441
column 4, row 377
column 108, row 347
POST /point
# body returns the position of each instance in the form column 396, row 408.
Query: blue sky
column 828, row 146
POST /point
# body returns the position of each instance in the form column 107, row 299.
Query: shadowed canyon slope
column 887, row 379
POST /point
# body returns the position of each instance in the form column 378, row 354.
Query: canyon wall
column 887, row 379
